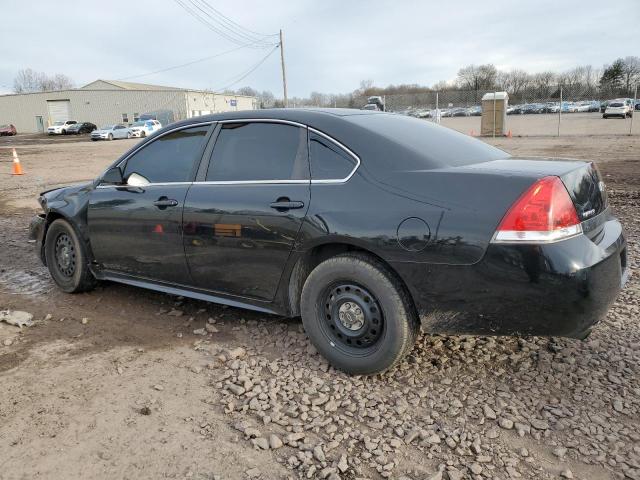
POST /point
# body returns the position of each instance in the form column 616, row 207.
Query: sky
column 329, row 45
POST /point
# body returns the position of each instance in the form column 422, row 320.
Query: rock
column 199, row 331
column 433, row 439
column 274, row 441
column 7, row 342
column 84, row 320
column 539, row 424
column 261, row 442
column 454, row 474
column 559, row 452
column 566, row 473
column 475, row 468
column 505, row 423
column 513, row 473
column 237, row 352
column 236, row 389
column 16, row 318
column 618, row 406
column 318, row 454
column 175, row 313
column 252, row 473
column 210, row 328
column 158, row 387
column 493, row 432
column 343, row 465
column 489, row 412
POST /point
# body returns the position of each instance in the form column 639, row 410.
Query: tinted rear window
column 433, row 146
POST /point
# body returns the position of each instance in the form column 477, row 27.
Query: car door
column 243, row 215
column 120, row 131
column 135, row 229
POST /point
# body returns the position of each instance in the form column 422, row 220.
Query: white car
column 60, row 128
column 617, row 109
column 111, row 132
column 143, row 128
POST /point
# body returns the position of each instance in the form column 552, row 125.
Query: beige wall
column 104, row 107
column 203, row 103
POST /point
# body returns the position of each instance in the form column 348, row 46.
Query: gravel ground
column 126, row 383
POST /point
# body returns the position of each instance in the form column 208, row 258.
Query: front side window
column 328, row 160
column 170, row 158
column 259, row 151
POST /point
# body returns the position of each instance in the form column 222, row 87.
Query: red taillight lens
column 544, row 213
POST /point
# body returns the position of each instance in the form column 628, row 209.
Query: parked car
column 617, row 109
column 8, row 130
column 460, row 112
column 143, row 128
column 475, row 111
column 111, row 132
column 371, row 106
column 60, row 128
column 452, row 231
column 81, row 127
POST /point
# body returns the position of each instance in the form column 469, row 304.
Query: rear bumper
column 557, row 289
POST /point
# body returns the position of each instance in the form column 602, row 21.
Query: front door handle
column 284, row 204
column 164, row 202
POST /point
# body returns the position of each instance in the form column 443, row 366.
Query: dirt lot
column 126, row 383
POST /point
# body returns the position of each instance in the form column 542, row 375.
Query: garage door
column 59, row 110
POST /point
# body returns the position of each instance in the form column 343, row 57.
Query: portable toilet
column 494, row 114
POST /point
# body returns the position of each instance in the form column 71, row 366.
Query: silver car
column 111, row 132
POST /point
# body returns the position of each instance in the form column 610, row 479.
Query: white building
column 106, row 102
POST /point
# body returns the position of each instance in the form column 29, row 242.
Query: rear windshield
column 616, row 104
column 434, row 146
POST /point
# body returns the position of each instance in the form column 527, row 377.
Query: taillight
column 543, row 214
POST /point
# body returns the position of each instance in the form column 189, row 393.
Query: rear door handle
column 164, row 202
column 283, row 205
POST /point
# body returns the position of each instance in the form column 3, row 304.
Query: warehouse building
column 105, row 102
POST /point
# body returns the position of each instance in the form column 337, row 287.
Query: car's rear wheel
column 143, row 134
column 357, row 314
column 110, row 136
column 66, row 257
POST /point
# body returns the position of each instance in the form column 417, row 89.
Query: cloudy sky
column 330, row 45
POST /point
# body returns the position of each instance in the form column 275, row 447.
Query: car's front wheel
column 66, row 257
column 143, row 134
column 110, row 136
column 357, row 314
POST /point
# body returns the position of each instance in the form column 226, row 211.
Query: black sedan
column 366, row 224
column 81, row 127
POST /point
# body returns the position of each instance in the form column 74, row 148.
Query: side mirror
column 113, row 176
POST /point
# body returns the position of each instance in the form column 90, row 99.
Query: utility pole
column 284, row 72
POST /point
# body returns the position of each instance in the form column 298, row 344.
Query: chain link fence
column 548, row 110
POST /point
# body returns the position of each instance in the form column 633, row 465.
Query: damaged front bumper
column 36, row 232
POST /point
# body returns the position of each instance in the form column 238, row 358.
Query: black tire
column 389, row 325
column 67, row 260
column 110, row 136
column 143, row 134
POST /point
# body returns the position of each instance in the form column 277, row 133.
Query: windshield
column 431, row 145
column 57, row 124
column 138, row 124
column 108, row 127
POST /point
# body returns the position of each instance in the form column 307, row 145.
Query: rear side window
column 328, row 160
column 170, row 158
column 259, row 151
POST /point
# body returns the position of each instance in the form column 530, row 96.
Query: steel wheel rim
column 351, row 318
column 65, row 254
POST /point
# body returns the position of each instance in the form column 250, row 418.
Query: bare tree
column 631, row 72
column 28, row 80
column 514, row 81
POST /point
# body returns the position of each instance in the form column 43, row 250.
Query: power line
column 232, row 23
column 248, row 72
column 184, row 64
column 228, row 24
column 229, row 36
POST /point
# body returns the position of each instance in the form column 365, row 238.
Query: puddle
column 18, row 282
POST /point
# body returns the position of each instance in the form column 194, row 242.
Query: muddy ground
column 115, row 383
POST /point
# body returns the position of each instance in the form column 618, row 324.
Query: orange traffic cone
column 17, row 168
column 472, row 133
column 158, row 229
column 509, row 134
